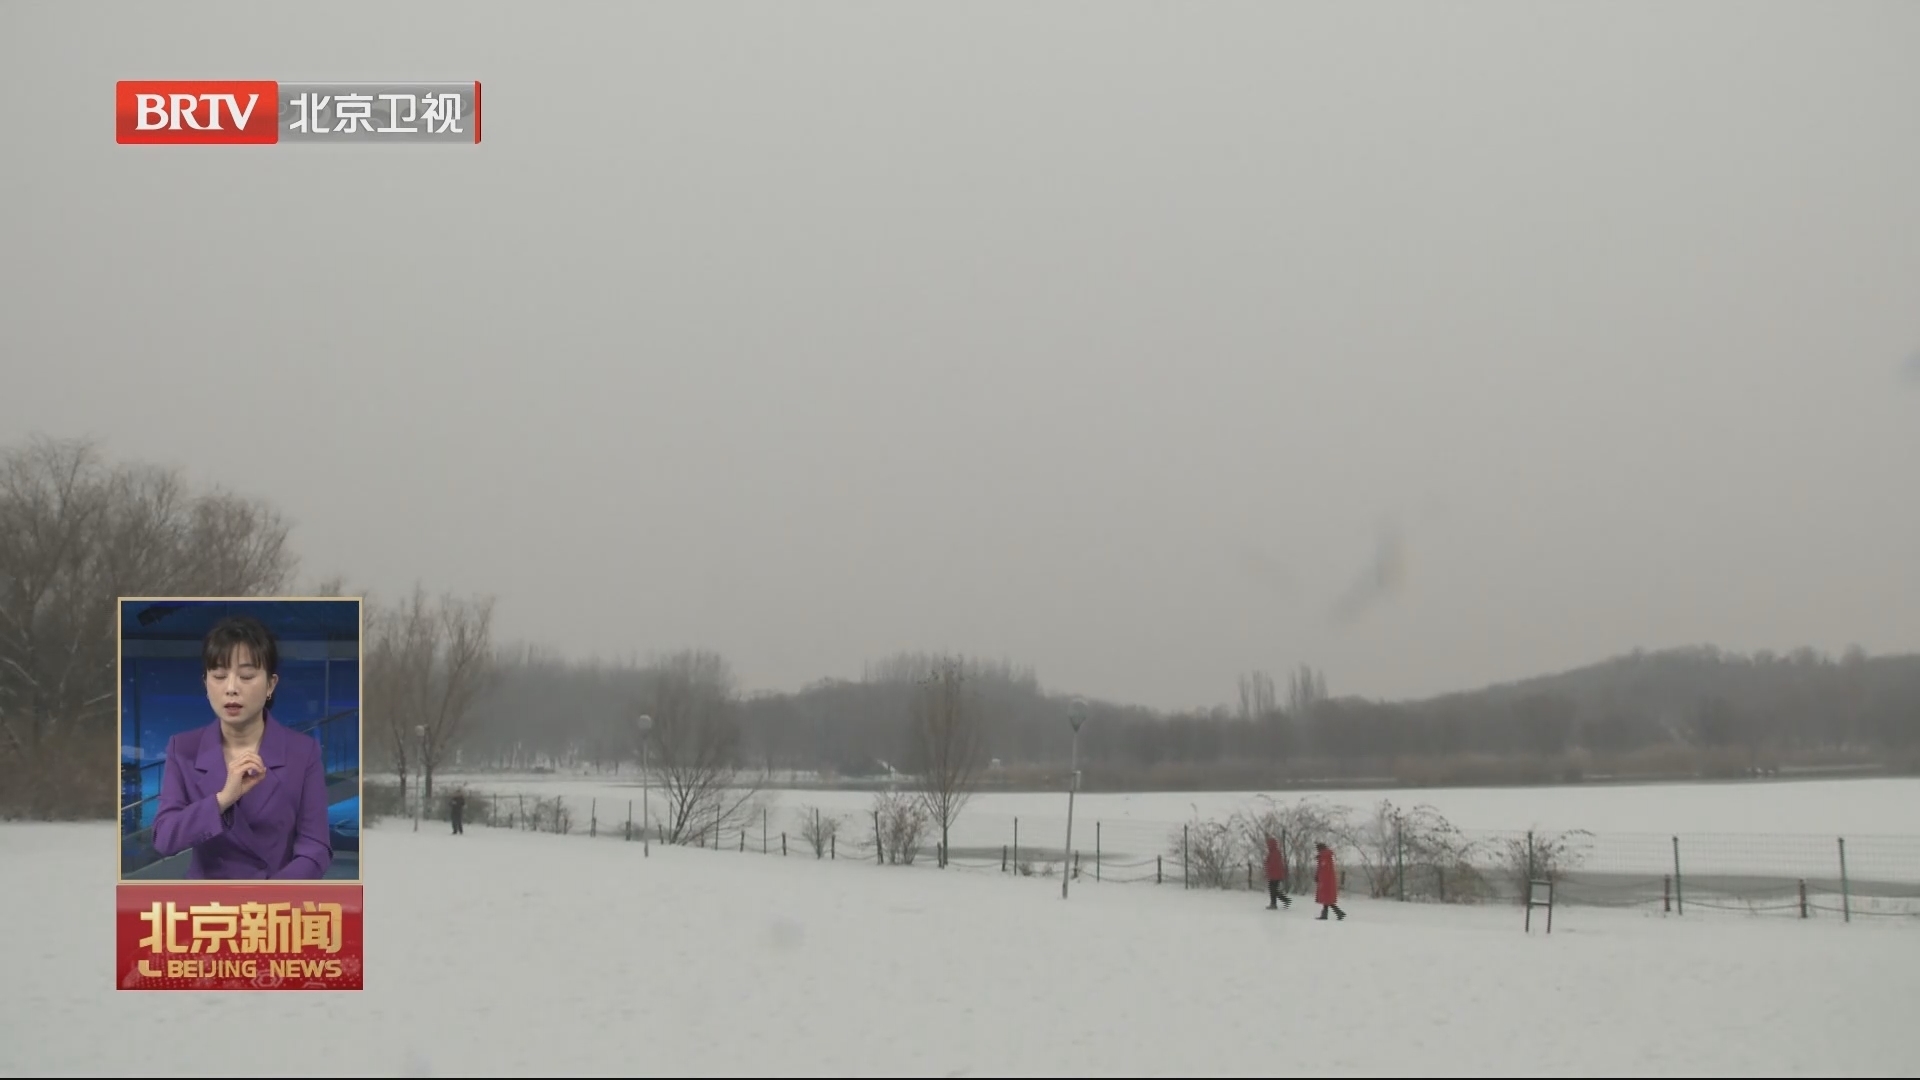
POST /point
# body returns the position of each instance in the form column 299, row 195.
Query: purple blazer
column 277, row 830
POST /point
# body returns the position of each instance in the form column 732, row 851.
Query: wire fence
column 1786, row 875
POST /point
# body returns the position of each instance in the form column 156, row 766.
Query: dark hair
column 235, row 630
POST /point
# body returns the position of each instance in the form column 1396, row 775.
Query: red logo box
column 217, row 935
column 177, row 112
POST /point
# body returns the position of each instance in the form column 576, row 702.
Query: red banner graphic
column 217, row 935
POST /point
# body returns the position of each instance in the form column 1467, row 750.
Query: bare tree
column 1212, row 853
column 1306, row 688
column 427, row 661
column 385, row 657
column 234, row 539
column 1380, row 842
column 910, row 667
column 949, row 745
column 695, row 746
column 902, row 820
column 1257, row 697
column 1417, row 850
column 1542, row 855
column 76, row 533
column 818, row 828
column 1416, row 853
column 1297, row 825
column 331, row 586
column 54, row 498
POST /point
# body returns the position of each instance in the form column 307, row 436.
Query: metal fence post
column 1846, row 891
column 1679, row 892
column 1400, row 856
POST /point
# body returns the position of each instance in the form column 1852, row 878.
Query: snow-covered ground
column 1731, row 834
column 1820, row 807
column 504, row 953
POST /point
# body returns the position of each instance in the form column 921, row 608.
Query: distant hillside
column 1672, row 713
column 1702, row 696
column 1696, row 711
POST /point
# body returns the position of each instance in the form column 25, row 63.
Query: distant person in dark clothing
column 1326, row 882
column 1276, row 874
column 456, row 809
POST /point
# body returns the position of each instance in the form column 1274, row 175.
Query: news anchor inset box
column 233, row 112
column 240, row 781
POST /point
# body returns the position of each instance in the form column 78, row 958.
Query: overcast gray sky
column 1110, row 337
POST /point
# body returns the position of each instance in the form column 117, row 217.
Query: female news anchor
column 245, row 793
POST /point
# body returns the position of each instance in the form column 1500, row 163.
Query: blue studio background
column 163, row 692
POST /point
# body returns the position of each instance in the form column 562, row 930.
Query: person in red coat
column 1276, row 873
column 1326, row 882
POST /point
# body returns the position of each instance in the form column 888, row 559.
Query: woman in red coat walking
column 1326, row 882
column 1276, row 873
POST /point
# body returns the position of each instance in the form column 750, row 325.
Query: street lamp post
column 420, row 801
column 645, row 724
column 1076, row 715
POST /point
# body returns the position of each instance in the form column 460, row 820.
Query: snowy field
column 504, row 953
column 1749, row 840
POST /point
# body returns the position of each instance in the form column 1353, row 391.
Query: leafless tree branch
column 694, row 747
column 76, row 533
column 949, row 745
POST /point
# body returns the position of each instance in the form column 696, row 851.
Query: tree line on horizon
column 78, row 530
